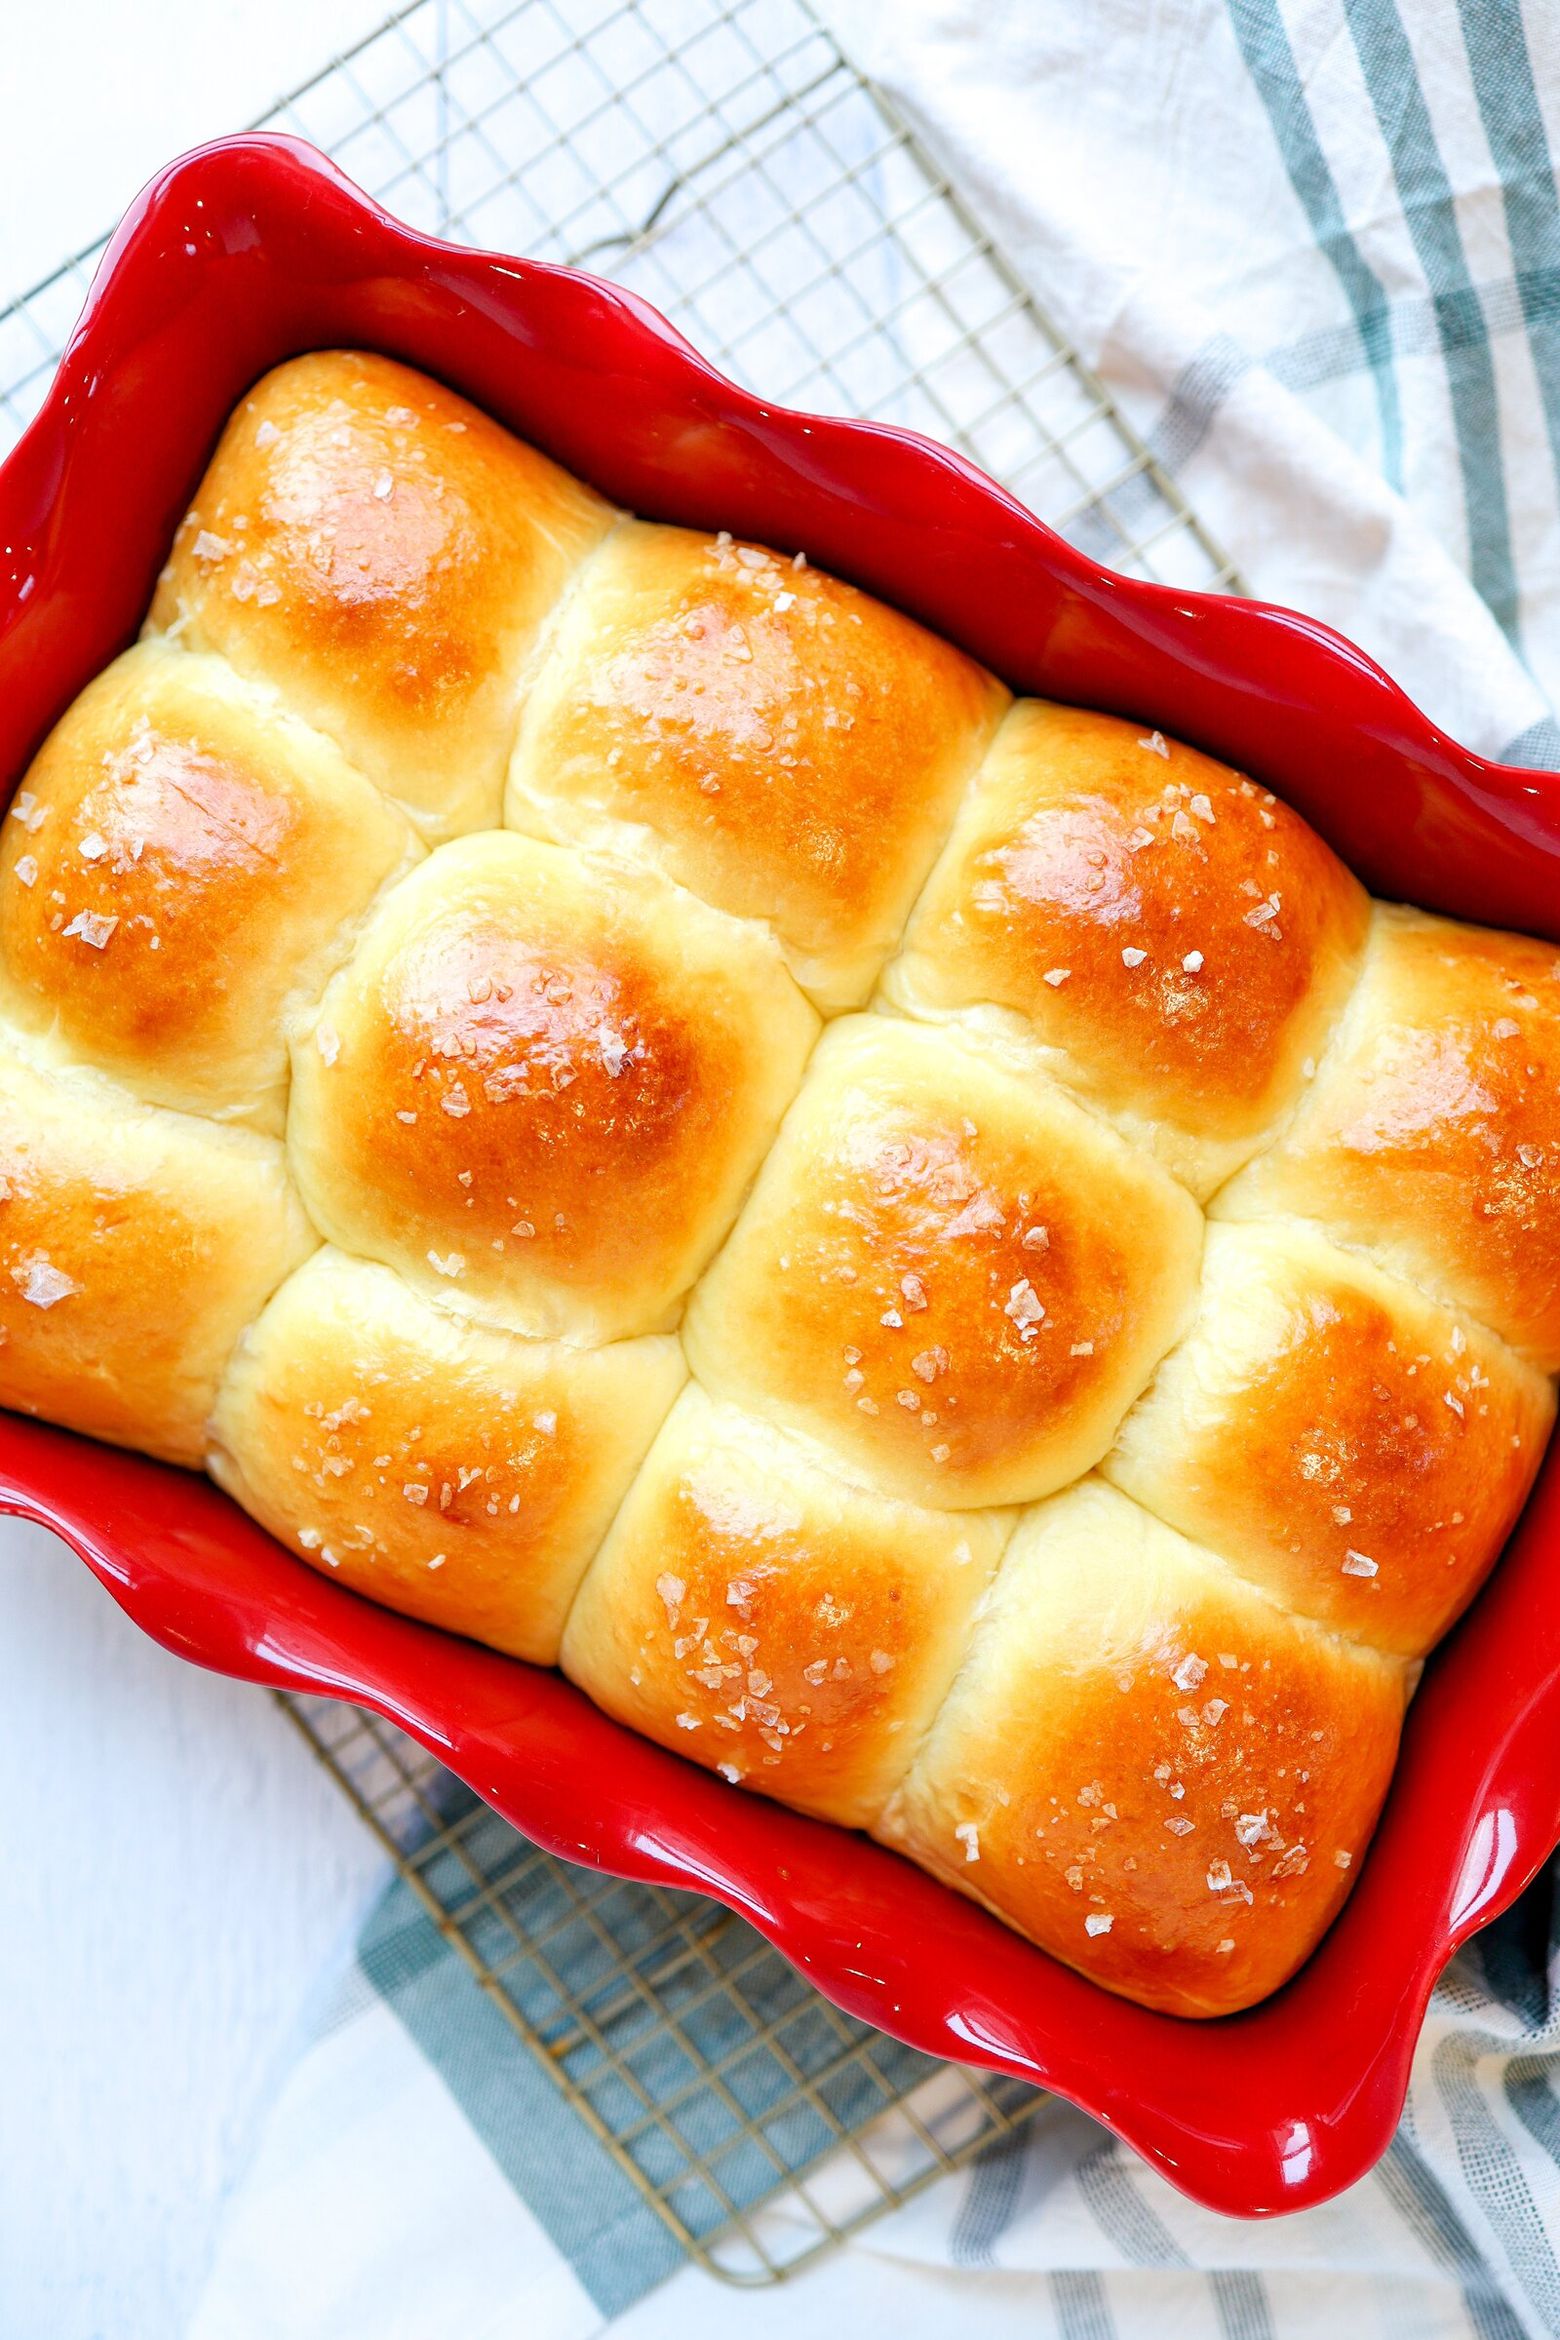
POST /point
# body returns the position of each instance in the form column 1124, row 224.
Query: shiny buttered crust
column 1148, row 1766
column 956, row 1280
column 135, row 1246
column 542, row 1085
column 182, row 868
column 772, row 738
column 1172, row 942
column 384, row 556
column 453, row 1472
column 755, row 1612
column 1431, row 1136
column 401, row 1165
column 1352, row 1447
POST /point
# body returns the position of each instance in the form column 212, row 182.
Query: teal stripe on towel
column 1496, row 42
column 1269, row 59
column 589, row 2208
column 1429, row 211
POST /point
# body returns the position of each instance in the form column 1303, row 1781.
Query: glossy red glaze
column 255, row 248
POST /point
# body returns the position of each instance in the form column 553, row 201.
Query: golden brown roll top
column 182, row 867
column 957, row 1280
column 777, row 741
column 384, row 555
column 752, row 1611
column 541, row 1086
column 1147, row 1766
column 1357, row 1450
column 135, row 1245
column 1429, row 1137
column 454, row 1472
column 1172, row 942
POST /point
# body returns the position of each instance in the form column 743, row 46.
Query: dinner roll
column 957, row 1280
column 135, row 1245
column 1173, row 943
column 541, row 1086
column 182, row 868
column 1357, row 1450
column 384, row 555
column 777, row 741
column 1148, row 1766
column 754, row 1612
column 1430, row 1136
column 455, row 1473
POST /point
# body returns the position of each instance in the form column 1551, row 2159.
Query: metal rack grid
column 757, row 2121
column 728, row 163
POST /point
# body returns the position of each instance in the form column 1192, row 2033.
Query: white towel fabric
column 1313, row 247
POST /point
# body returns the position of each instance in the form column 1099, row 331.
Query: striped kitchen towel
column 1313, row 248
column 421, row 2178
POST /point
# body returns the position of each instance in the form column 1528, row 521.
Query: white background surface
column 177, row 1870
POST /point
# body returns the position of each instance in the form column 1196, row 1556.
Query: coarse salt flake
column 1025, row 1307
column 1056, row 976
column 1097, row 1922
column 93, row 926
column 27, row 870
column 1156, row 744
column 43, row 1283
column 328, row 1042
column 1192, row 963
column 672, row 1591
column 208, row 547
column 1191, row 1673
column 968, row 1835
column 92, row 847
column 1359, row 1564
column 451, row 1264
column 1132, row 956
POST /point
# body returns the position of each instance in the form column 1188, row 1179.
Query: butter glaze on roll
column 384, row 556
column 456, row 1473
column 541, row 1086
column 957, row 1281
column 135, row 1245
column 773, row 739
column 1356, row 1450
column 758, row 1614
column 185, row 867
column 864, row 1408
column 1172, row 942
column 1147, row 1765
column 1431, row 1136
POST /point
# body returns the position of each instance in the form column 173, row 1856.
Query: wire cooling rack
column 730, row 165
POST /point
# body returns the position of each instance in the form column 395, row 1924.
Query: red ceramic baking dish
column 254, row 249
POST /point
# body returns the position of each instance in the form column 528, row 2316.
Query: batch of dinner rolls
column 936, row 1252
